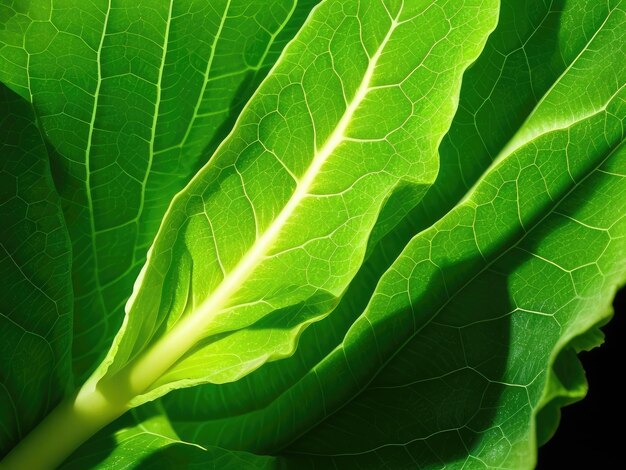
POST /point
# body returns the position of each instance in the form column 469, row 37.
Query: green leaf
column 501, row 91
column 234, row 415
column 36, row 295
column 133, row 97
column 302, row 180
column 501, row 75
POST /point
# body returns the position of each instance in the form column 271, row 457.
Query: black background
column 584, row 438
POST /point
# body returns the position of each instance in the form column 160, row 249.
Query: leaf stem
column 70, row 424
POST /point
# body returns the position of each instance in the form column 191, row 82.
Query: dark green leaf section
column 464, row 388
column 133, row 97
column 506, row 355
column 36, row 293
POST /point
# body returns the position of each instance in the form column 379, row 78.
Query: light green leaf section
column 337, row 127
column 36, row 293
column 498, row 93
column 234, row 415
column 133, row 96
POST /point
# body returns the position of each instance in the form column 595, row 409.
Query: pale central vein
column 173, row 345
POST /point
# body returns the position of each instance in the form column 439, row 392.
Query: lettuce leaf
column 391, row 260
